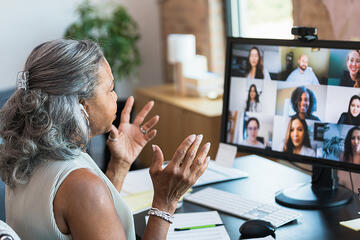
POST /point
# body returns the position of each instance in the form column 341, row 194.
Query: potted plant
column 116, row 32
column 333, row 146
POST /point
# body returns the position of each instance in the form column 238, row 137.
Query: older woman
column 54, row 189
column 303, row 101
column 297, row 138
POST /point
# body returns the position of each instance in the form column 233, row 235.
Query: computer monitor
column 298, row 101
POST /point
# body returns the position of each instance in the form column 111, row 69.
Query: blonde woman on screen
column 351, row 76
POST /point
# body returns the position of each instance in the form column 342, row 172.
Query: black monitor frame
column 271, row 153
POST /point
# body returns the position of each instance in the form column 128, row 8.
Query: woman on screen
column 253, row 104
column 352, row 116
column 252, row 126
column 352, row 146
column 254, row 65
column 297, row 138
column 351, row 76
column 303, row 101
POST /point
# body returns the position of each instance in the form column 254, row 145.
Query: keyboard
column 238, row 206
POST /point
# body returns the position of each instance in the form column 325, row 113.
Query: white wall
column 26, row 23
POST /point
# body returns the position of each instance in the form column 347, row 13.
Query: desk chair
column 7, row 233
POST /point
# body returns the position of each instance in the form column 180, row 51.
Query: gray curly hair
column 45, row 122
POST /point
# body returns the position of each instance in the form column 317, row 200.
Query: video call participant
column 253, row 104
column 352, row 116
column 252, row 126
column 303, row 101
column 352, row 146
column 297, row 138
column 303, row 75
column 351, row 76
column 255, row 67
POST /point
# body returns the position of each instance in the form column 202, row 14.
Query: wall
column 25, row 24
column 334, row 19
column 203, row 18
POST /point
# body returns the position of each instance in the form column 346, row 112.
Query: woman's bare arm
column 174, row 180
column 84, row 208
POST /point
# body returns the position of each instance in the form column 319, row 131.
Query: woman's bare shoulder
column 82, row 199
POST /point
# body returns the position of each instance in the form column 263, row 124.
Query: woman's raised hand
column 186, row 166
column 126, row 142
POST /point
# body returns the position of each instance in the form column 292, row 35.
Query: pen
column 198, row 227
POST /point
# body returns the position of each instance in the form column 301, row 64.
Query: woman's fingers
column 125, row 114
column 150, row 124
column 150, row 135
column 191, row 153
column 157, row 161
column 143, row 113
column 201, row 170
column 113, row 135
column 182, row 150
column 200, row 159
column 200, row 163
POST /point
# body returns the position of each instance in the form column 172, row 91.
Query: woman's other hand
column 184, row 169
column 126, row 142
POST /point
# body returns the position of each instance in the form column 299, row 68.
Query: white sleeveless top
column 29, row 207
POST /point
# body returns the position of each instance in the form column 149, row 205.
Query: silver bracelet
column 161, row 214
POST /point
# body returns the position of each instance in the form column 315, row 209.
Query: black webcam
column 305, row 33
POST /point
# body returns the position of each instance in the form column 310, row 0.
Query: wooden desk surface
column 266, row 177
column 166, row 93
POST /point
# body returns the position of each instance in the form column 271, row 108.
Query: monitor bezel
column 271, row 153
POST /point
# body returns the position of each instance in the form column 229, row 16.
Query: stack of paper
column 352, row 224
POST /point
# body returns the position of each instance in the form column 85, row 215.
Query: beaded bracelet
column 161, row 214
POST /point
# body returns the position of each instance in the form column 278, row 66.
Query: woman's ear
column 83, row 107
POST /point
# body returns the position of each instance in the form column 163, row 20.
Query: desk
column 265, row 178
column 180, row 116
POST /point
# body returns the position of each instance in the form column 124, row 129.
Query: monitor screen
column 294, row 100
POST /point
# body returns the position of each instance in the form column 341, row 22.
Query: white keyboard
column 238, row 206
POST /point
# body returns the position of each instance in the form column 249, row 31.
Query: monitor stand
column 322, row 192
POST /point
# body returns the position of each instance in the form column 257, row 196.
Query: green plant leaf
column 117, row 34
